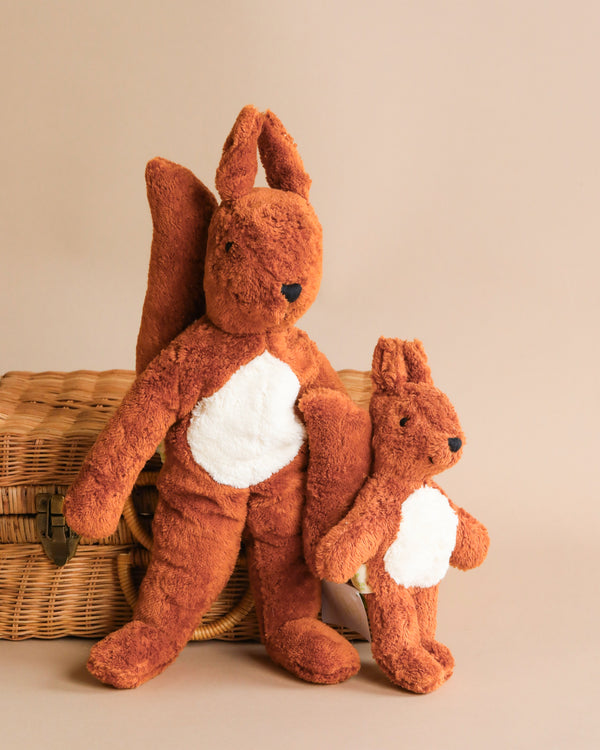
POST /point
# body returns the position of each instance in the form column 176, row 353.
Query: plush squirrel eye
column 228, row 246
column 403, row 421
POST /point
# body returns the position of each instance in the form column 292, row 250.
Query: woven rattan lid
column 50, row 420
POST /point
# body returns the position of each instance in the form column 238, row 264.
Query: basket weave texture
column 48, row 423
column 39, row 600
column 50, row 420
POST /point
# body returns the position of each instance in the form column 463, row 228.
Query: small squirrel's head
column 264, row 254
column 416, row 432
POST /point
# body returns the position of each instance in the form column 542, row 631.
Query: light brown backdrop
column 456, row 170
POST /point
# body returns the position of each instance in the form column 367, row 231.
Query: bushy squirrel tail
column 181, row 207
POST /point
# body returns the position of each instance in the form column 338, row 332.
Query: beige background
column 456, row 171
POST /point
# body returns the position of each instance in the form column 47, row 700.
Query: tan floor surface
column 526, row 677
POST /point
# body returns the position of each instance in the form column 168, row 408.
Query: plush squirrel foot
column 413, row 669
column 130, row 656
column 441, row 654
column 313, row 651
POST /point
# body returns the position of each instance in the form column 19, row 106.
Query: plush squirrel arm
column 356, row 538
column 339, row 440
column 95, row 500
column 325, row 375
column 472, row 541
column 472, row 538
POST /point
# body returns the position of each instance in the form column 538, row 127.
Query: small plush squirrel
column 403, row 532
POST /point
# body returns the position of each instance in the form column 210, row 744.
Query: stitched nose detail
column 454, row 444
column 291, row 291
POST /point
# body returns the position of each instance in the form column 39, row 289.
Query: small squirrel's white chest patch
column 248, row 430
column 420, row 554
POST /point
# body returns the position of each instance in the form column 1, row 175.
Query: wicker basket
column 48, row 422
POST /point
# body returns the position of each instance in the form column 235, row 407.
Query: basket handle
column 138, row 532
column 203, row 632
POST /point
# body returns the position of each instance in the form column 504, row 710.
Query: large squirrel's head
column 264, row 254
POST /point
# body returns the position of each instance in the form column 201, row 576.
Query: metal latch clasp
column 58, row 540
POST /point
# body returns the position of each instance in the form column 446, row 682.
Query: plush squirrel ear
column 416, row 362
column 388, row 371
column 181, row 207
column 237, row 170
column 280, row 158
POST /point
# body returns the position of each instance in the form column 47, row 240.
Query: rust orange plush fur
column 339, row 435
column 181, row 208
column 401, row 526
column 235, row 454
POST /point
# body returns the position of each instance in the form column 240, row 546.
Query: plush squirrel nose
column 454, row 444
column 291, row 291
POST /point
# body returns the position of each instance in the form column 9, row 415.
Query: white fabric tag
column 341, row 604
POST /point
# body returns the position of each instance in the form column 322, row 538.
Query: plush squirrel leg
column 287, row 595
column 196, row 543
column 396, row 639
column 426, row 606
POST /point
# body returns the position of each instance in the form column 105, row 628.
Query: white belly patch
column 420, row 554
column 248, row 430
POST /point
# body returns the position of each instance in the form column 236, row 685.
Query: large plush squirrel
column 223, row 393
